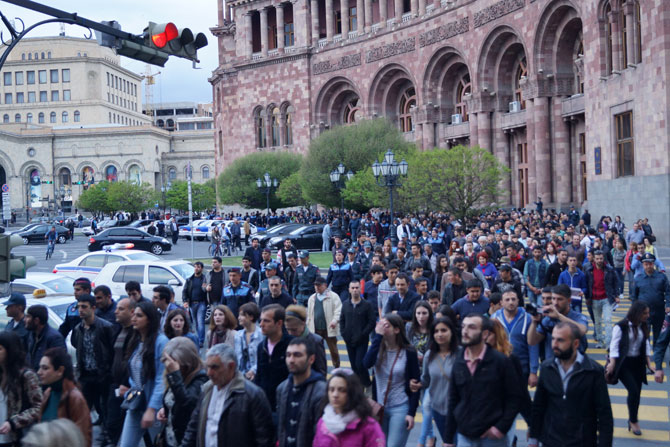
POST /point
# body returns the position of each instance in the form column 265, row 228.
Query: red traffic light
column 169, row 32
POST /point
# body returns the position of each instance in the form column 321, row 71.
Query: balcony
column 353, row 34
column 461, row 130
column 337, row 38
column 390, row 22
column 406, row 17
column 273, row 52
column 376, row 27
column 573, row 105
column 291, row 49
column 322, row 43
column 256, row 56
column 430, row 8
column 513, row 120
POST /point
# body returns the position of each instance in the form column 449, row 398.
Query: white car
column 51, row 283
column 90, row 264
column 148, row 273
column 185, row 231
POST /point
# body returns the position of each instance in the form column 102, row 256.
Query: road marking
column 64, row 254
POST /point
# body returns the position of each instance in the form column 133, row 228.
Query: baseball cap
column 271, row 266
column 320, row 280
column 351, row 250
column 16, row 298
column 303, row 254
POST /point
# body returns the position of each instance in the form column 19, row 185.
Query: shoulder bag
column 377, row 409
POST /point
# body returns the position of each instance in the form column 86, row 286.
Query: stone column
column 398, row 11
column 280, row 27
column 484, row 131
column 616, row 40
column 501, row 152
column 221, row 12
column 368, row 15
column 422, row 8
column 248, row 28
column 414, row 7
column 344, row 15
column 315, row 22
column 383, row 12
column 532, row 153
column 330, row 21
column 474, row 129
column 562, row 163
column 361, row 16
column 268, row 129
column 542, row 150
column 631, row 25
column 264, row 32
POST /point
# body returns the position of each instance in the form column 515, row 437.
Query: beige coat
column 332, row 307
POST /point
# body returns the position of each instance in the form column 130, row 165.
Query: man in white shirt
column 229, row 404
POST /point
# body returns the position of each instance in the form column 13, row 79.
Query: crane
column 149, row 90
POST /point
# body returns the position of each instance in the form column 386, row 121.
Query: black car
column 37, row 232
column 127, row 235
column 305, row 237
column 265, row 236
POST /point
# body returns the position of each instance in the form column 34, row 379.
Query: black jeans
column 96, row 393
column 356, row 354
column 115, row 416
column 632, row 374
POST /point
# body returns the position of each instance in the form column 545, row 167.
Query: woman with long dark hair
column 143, row 356
column 20, row 392
column 441, row 267
column 222, row 327
column 630, row 355
column 177, row 324
column 395, row 363
column 418, row 334
column 347, row 417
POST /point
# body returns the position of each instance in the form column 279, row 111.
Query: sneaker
column 599, row 346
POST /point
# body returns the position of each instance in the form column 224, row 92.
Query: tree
column 290, row 191
column 463, row 181
column 237, row 183
column 203, row 196
column 94, row 199
column 357, row 147
column 109, row 197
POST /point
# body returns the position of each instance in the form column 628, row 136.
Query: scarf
column 337, row 423
column 51, row 409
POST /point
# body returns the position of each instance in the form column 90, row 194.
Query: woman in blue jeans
column 146, row 373
column 395, row 363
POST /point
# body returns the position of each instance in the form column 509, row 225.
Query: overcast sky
column 178, row 80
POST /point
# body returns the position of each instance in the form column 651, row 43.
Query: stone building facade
column 570, row 95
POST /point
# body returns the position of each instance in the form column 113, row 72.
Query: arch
column 5, row 118
column 64, row 165
column 17, row 118
column 52, row 117
column 333, row 99
column 64, row 117
column 29, row 117
column 503, row 51
column 446, row 81
column 205, row 172
column 133, row 161
column 288, row 114
column 160, row 123
column 172, row 173
column 40, row 118
column 169, row 124
column 7, row 163
column 29, row 166
column 83, row 164
column 111, row 171
column 134, row 173
column 64, row 177
column 77, row 116
column 260, row 116
column 387, row 90
column 275, row 126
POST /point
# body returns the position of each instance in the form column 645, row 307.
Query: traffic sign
column 5, row 188
column 6, row 204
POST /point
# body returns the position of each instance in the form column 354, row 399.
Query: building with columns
column 570, row 95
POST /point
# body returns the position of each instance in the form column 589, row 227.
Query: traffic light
column 13, row 267
column 47, row 182
column 137, row 50
column 175, row 42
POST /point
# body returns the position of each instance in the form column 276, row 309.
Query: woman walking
column 418, row 334
column 247, row 340
column 177, row 325
column 630, row 356
column 222, row 327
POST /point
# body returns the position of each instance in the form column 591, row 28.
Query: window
column 522, row 150
column 464, row 88
column 64, row 117
column 52, row 117
column 276, row 140
column 17, row 118
column 19, row 98
column 48, row 54
column 351, row 111
column 43, row 96
column 353, row 18
column 66, row 75
column 40, row 118
column 625, row 144
column 30, row 56
column 407, row 101
column 134, row 174
column 54, row 95
column 29, row 118
column 5, row 118
column 31, row 77
column 260, row 129
column 107, row 79
column 159, row 275
column 36, row 56
column 43, row 76
column 77, row 116
column 172, row 173
column 521, row 74
column 93, row 261
column 610, row 39
column 65, row 178
column 127, row 273
column 23, row 56
column 289, row 35
column 66, row 95
column 32, row 97
column 638, row 33
column 7, row 78
column 578, row 78
column 623, row 26
column 8, row 98
column 205, row 172
column 42, row 54
column 18, row 78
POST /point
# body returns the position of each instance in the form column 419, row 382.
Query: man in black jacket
column 485, row 394
column 402, row 303
column 299, row 397
column 254, row 253
column 555, row 269
column 357, row 321
column 571, row 406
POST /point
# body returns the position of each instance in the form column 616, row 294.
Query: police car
column 90, row 264
column 51, row 283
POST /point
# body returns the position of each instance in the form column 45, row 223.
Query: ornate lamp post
column 339, row 179
column 268, row 184
column 388, row 174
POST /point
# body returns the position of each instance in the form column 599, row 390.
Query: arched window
column 638, row 32
column 64, row 117
column 88, row 176
column 609, row 38
column 172, row 174
column 111, row 174
column 29, row 118
column 170, row 124
column 42, row 54
column 65, row 177
column 288, row 124
column 52, row 117
column 160, row 123
column 17, row 118
column 5, row 118
column 30, row 56
column 205, row 172
column 624, row 29
column 521, row 74
column 260, row 128
column 407, row 101
column 275, row 127
column 36, row 56
column 351, row 111
column 579, row 80
column 77, row 116
column 464, row 88
column 23, row 56
column 48, row 54
column 135, row 174
column 40, row 118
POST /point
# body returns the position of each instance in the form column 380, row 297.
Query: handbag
column 378, row 410
column 611, row 378
column 134, row 400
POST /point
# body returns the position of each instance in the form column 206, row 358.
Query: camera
column 531, row 309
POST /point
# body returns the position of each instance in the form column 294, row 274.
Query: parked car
column 90, row 264
column 140, row 239
column 264, row 236
column 22, row 229
column 50, row 282
column 140, row 224
column 185, row 230
column 305, row 237
column 36, row 234
column 148, row 273
column 105, row 224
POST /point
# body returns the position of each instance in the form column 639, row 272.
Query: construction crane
column 150, row 80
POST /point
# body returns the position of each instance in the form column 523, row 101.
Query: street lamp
column 388, row 174
column 337, row 178
column 268, row 184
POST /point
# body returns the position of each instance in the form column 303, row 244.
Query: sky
column 178, row 81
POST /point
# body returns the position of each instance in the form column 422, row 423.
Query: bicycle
column 215, row 248
column 50, row 248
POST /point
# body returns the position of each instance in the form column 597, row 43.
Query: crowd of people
column 460, row 318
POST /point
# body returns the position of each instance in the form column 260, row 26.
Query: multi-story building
column 166, row 115
column 570, row 95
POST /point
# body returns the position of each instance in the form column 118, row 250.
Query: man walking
column 602, row 282
column 214, row 282
column 306, row 274
column 195, row 299
column 574, row 278
column 323, row 316
column 357, row 322
column 15, row 308
column 272, row 369
column 534, row 273
column 555, row 269
column 653, row 288
column 403, row 301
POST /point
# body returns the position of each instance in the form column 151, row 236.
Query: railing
column 430, row 8
column 513, row 120
column 376, row 27
column 322, row 42
column 390, row 22
column 291, row 49
column 256, row 56
column 273, row 52
column 337, row 38
column 406, row 17
column 353, row 34
column 573, row 105
column 460, row 130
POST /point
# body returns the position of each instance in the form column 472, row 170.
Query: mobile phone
column 531, row 309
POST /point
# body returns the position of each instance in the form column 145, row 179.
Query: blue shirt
column 575, row 280
column 654, row 290
column 463, row 307
column 547, row 324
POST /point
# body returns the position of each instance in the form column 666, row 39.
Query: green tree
column 203, row 196
column 130, row 197
column 463, row 181
column 290, row 191
column 94, row 199
column 357, row 147
column 237, row 183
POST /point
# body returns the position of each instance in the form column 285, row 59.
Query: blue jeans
column 479, row 442
column 394, row 426
column 427, row 424
column 325, row 246
column 197, row 309
column 132, row 429
column 602, row 313
column 535, row 299
column 619, row 277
